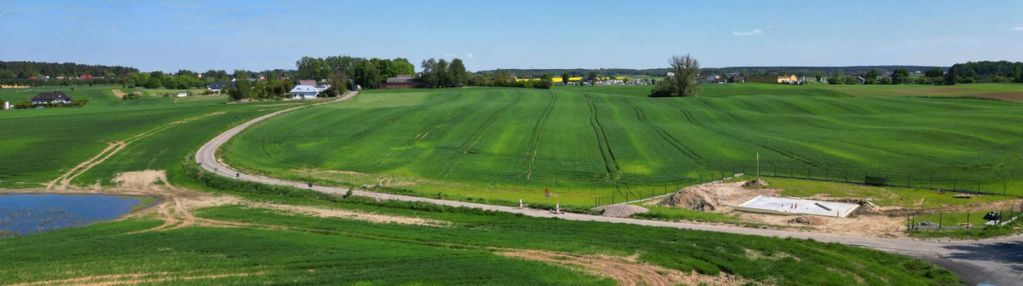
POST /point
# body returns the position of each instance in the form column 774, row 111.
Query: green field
column 39, row 145
column 288, row 248
column 590, row 144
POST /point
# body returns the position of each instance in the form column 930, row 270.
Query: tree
column 871, row 76
column 934, row 74
column 338, row 85
column 242, row 89
column 458, row 75
column 546, row 82
column 900, row 76
column 367, row 75
column 401, row 66
column 686, row 69
column 312, row 68
column 564, row 78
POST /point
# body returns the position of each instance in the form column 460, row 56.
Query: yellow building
column 788, row 79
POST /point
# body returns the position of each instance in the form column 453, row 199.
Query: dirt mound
column 620, row 210
column 754, row 184
column 806, row 220
column 697, row 199
column 717, row 197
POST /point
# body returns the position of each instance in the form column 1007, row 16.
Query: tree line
column 350, row 71
column 985, row 71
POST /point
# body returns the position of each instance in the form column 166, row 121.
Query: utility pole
column 758, row 167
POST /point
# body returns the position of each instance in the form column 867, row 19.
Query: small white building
column 6, row 105
column 182, row 94
column 304, row 92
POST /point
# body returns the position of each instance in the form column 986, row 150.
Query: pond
column 29, row 213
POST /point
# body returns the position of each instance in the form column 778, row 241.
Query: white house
column 304, row 92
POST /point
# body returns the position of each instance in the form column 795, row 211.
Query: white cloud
column 751, row 33
column 469, row 55
column 1018, row 29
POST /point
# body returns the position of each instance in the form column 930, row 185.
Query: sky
column 258, row 35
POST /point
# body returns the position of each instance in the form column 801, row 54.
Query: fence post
column 968, row 219
column 940, row 220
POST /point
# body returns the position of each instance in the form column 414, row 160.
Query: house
column 182, row 94
column 304, row 92
column 788, row 79
column 737, row 79
column 216, row 87
column 401, row 81
column 308, row 82
column 47, row 98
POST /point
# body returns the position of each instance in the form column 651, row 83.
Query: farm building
column 308, row 82
column 401, row 81
column 55, row 97
column 216, row 87
column 6, row 105
column 304, row 92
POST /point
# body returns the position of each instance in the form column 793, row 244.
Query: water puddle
column 30, row 213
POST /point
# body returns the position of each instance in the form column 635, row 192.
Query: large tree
column 685, row 68
column 458, row 75
column 367, row 75
column 900, row 76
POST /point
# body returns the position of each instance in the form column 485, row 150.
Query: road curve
column 998, row 260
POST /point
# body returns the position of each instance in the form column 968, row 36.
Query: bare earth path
column 996, row 260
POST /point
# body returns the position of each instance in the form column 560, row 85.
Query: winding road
column 996, row 261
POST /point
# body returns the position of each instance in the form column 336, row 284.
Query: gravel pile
column 620, row 210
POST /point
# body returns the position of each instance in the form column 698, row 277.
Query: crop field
column 38, row 145
column 1000, row 91
column 279, row 247
column 595, row 144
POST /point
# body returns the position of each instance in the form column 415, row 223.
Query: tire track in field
column 389, row 119
column 613, row 171
column 537, row 137
column 689, row 116
column 664, row 134
column 712, row 107
column 425, row 131
column 477, row 134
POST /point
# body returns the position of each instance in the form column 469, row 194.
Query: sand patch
column 624, row 270
column 118, row 93
column 347, row 214
column 139, row 278
column 141, row 179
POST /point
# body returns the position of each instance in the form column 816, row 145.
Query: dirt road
column 998, row 260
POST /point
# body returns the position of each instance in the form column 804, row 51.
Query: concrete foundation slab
column 792, row 206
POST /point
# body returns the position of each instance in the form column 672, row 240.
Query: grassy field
column 288, row 248
column 589, row 144
column 1000, row 91
column 39, row 145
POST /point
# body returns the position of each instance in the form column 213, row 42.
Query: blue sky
column 201, row 35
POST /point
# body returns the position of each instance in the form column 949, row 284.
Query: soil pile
column 695, row 199
column 620, row 210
